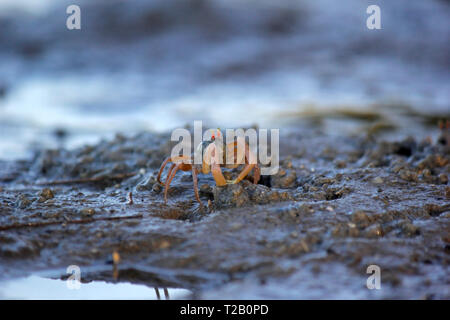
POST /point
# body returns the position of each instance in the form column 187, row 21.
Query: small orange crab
column 211, row 153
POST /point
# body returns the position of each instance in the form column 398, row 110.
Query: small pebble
column 443, row 178
column 45, row 195
column 374, row 231
column 87, row 212
column 164, row 244
column 378, row 180
column 115, row 257
column 205, row 189
column 304, row 245
column 156, row 188
column 236, row 226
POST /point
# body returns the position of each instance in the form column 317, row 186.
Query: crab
column 211, row 151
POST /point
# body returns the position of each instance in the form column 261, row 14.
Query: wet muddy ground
column 364, row 169
column 339, row 203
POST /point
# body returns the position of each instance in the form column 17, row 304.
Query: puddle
column 38, row 288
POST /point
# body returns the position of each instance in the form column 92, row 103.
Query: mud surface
column 364, row 169
column 338, row 204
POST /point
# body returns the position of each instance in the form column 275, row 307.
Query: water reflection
column 166, row 293
column 36, row 288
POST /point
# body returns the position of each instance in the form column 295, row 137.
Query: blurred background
column 156, row 65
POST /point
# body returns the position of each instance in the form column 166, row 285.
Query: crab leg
column 250, row 164
column 162, row 168
column 170, row 159
column 215, row 167
column 213, row 164
column 217, row 175
column 256, row 174
column 232, row 150
column 169, row 179
column 170, row 171
column 243, row 174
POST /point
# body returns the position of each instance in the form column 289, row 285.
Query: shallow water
column 39, row 288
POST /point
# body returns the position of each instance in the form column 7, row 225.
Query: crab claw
column 215, row 134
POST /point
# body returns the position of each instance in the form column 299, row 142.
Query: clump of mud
column 337, row 205
column 245, row 194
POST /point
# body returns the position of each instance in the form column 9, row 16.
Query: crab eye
column 213, row 136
